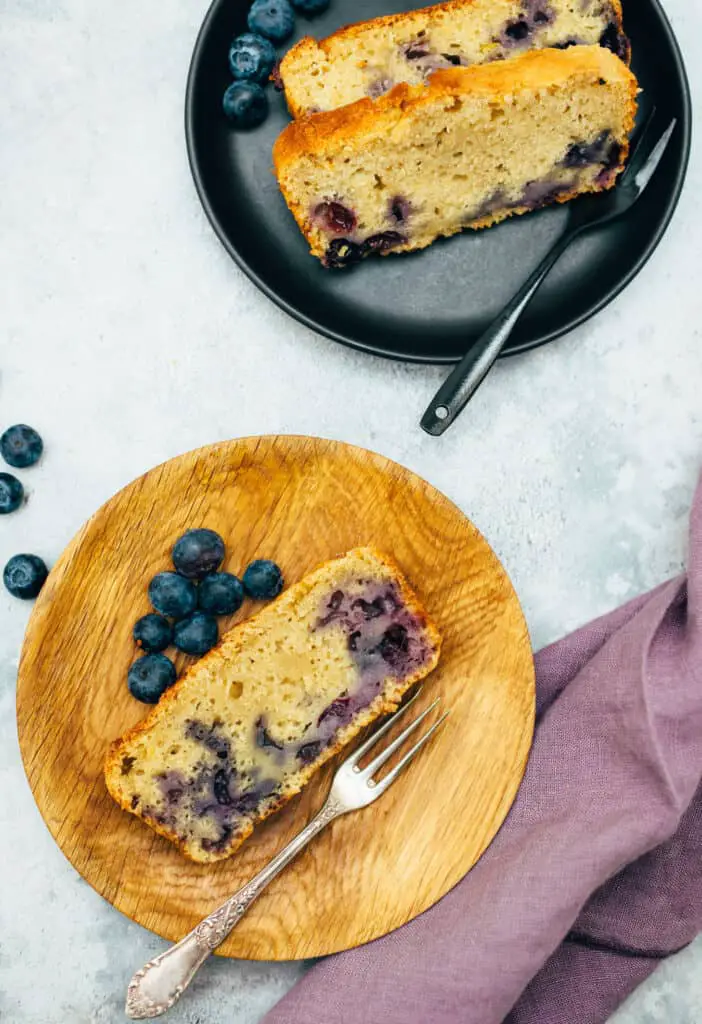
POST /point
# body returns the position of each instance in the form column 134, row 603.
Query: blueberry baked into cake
column 369, row 58
column 472, row 147
column 249, row 724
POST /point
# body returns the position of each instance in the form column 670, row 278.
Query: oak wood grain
column 300, row 501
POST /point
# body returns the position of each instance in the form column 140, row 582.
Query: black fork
column 586, row 213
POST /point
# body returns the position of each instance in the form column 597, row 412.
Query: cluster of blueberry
column 252, row 57
column 192, row 596
column 20, row 447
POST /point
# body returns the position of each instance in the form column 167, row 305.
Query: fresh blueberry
column 263, row 579
column 198, row 553
column 196, row 634
column 245, row 104
column 310, row 6
column 273, row 19
column 153, row 633
column 251, row 57
column 21, row 446
column 149, row 677
column 25, row 575
column 222, row 593
column 11, row 493
column 173, row 595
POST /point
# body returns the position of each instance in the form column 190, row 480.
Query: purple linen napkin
column 597, row 872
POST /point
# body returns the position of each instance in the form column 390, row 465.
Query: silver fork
column 585, row 213
column 160, row 984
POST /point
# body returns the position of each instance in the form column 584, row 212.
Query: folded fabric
column 597, row 872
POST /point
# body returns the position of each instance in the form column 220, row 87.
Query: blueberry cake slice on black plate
column 473, row 146
column 248, row 725
column 369, row 58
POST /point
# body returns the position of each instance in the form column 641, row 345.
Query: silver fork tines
column 644, row 174
column 385, row 755
column 158, row 985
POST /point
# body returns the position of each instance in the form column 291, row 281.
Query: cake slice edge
column 320, row 135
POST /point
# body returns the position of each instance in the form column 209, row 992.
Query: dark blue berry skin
column 222, row 593
column 245, row 104
column 11, row 493
column 21, row 446
column 198, row 553
column 251, row 58
column 310, row 6
column 25, row 575
column 149, row 677
column 263, row 579
column 273, row 19
column 153, row 633
column 197, row 634
column 172, row 595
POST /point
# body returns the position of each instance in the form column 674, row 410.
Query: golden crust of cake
column 322, row 140
column 350, row 39
column 325, row 132
column 230, row 645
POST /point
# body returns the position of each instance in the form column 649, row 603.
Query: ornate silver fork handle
column 161, row 982
column 156, row 987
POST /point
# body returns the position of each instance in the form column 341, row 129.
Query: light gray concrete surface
column 128, row 337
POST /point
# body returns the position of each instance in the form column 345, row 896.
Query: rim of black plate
column 685, row 126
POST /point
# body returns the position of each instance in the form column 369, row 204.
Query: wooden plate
column 298, row 500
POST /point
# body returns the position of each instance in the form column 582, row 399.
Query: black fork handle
column 462, row 383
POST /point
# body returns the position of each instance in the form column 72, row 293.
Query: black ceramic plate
column 425, row 306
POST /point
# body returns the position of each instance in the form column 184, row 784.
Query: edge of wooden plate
column 41, row 791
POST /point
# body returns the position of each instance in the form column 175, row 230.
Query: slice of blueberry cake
column 472, row 147
column 369, row 58
column 248, row 725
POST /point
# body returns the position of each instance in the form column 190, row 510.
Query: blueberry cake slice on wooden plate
column 472, row 147
column 369, row 58
column 248, row 725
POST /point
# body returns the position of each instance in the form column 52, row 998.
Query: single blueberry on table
column 11, row 493
column 222, row 593
column 310, row 6
column 172, row 595
column 153, row 633
column 196, row 634
column 21, row 446
column 251, row 58
column 245, row 104
column 149, row 677
column 25, row 575
column 263, row 579
column 273, row 19
column 198, row 553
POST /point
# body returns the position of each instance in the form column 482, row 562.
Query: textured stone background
column 128, row 336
